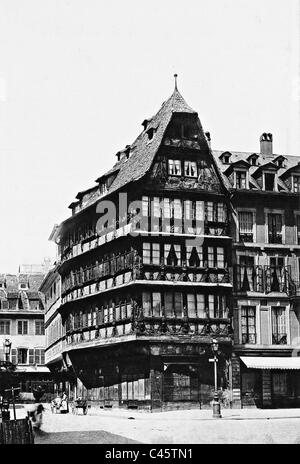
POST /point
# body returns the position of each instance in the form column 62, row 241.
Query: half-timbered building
column 145, row 266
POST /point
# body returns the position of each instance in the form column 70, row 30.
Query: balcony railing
column 295, row 289
column 279, row 339
column 133, row 321
column 263, row 279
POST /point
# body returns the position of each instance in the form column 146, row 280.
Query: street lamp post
column 7, row 348
column 5, row 413
column 216, row 403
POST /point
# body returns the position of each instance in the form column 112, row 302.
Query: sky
column 77, row 78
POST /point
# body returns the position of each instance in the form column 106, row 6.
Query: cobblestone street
column 185, row 427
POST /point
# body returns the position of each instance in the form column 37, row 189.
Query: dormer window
column 174, row 167
column 240, row 179
column 269, row 181
column 279, row 161
column 225, row 158
column 150, row 133
column 296, row 184
column 190, row 168
column 23, row 286
column 253, row 159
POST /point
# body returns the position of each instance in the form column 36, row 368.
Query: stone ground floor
column 172, row 427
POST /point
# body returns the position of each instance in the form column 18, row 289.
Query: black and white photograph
column 150, row 225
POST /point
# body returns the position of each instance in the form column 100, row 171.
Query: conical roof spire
column 175, row 76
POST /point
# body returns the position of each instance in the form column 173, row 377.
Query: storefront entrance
column 285, row 389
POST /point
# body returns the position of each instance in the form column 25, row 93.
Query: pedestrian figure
column 64, row 408
column 36, row 417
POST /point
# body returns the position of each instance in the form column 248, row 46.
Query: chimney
column 266, row 144
column 208, row 138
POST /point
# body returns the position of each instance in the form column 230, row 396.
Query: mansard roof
column 11, row 286
column 263, row 162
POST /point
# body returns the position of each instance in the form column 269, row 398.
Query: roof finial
column 176, row 75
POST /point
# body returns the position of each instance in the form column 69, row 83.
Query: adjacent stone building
column 177, row 245
column 265, row 198
column 22, row 324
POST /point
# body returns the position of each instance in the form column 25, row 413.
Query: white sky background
column 78, row 77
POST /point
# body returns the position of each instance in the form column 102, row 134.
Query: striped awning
column 264, row 362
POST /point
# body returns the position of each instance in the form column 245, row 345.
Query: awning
column 262, row 362
column 32, row 369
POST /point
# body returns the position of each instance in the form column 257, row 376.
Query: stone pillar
column 236, row 381
column 266, row 388
column 156, row 379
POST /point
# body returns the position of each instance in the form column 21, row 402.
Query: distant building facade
column 22, row 323
column 63, row 379
column 208, row 248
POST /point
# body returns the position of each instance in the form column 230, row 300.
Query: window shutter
column 31, row 356
column 14, row 356
column 19, row 357
column 37, row 356
column 42, row 356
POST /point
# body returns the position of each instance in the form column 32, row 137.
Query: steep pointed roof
column 143, row 150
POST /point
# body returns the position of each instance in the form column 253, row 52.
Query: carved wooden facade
column 144, row 293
